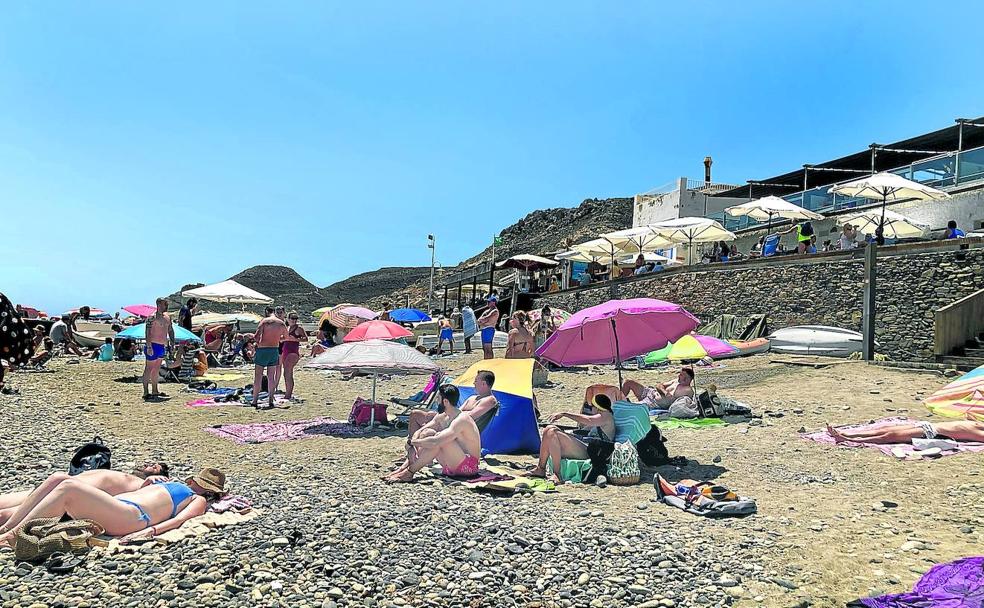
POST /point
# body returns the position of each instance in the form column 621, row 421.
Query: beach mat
column 687, row 423
column 496, row 479
column 958, row 584
column 889, row 449
column 193, row 528
column 263, row 432
column 221, row 376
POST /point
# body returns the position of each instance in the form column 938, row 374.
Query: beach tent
column 228, row 291
column 962, row 398
column 139, row 332
column 513, row 430
column 658, row 356
column 731, row 327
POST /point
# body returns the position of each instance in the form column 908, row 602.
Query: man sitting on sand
column 956, row 430
column 481, row 407
column 451, row 438
column 15, row 505
column 663, row 394
column 269, row 334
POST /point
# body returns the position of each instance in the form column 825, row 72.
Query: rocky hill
column 540, row 232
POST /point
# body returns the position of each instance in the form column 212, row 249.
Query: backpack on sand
column 91, row 456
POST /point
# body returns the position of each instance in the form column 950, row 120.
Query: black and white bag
column 91, row 456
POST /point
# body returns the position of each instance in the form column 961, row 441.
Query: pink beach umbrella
column 377, row 330
column 615, row 331
column 141, row 310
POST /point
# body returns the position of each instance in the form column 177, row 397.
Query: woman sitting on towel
column 556, row 444
column 138, row 515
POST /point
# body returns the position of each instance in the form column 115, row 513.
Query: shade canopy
column 377, row 330
column 886, row 186
column 409, row 315
column 228, row 291
column 581, row 256
column 374, row 357
column 693, row 230
column 214, row 318
column 526, row 262
column 897, row 226
column 635, row 240
column 771, row 207
column 615, row 331
column 139, row 332
column 141, row 310
column 647, row 256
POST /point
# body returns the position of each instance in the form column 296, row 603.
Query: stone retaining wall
column 909, row 289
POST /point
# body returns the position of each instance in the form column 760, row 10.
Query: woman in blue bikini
column 144, row 513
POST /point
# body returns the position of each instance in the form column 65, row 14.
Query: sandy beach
column 833, row 523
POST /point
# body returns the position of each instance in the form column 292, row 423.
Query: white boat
column 499, row 341
column 91, row 339
column 816, row 340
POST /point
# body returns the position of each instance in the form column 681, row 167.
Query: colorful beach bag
column 623, row 466
column 362, row 413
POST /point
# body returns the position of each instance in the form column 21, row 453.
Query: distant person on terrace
column 848, row 237
column 804, row 230
column 952, row 232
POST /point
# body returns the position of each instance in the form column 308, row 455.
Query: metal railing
column 942, row 171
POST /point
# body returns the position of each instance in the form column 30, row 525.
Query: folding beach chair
column 770, row 245
column 424, row 400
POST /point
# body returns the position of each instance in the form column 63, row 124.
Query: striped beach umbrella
column 962, row 398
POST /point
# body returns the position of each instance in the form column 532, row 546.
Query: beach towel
column 215, row 391
column 469, row 324
column 263, row 432
column 958, row 584
column 631, row 421
column 902, row 450
column 573, row 471
column 210, row 402
column 222, row 376
column 687, row 423
column 193, row 528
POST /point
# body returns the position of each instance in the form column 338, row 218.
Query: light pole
column 431, row 242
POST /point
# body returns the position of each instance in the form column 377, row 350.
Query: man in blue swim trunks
column 159, row 332
column 269, row 333
column 486, row 325
column 447, row 333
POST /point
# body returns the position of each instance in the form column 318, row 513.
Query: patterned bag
column 623, row 466
column 39, row 538
column 16, row 345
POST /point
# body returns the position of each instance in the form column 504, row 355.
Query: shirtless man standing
column 663, row 394
column 477, row 406
column 452, row 439
column 14, row 506
column 486, row 326
column 269, row 333
column 159, row 333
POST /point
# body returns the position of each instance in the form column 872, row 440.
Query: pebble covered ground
column 833, row 524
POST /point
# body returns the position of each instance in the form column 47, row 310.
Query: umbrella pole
column 618, row 356
column 880, row 240
column 372, row 406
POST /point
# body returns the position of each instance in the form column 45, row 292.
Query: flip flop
column 63, row 563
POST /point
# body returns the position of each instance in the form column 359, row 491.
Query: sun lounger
column 424, row 400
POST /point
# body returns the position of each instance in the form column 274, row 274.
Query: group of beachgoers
column 274, row 348
column 450, row 435
column 134, row 506
column 524, row 335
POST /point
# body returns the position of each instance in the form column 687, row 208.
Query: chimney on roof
column 707, row 170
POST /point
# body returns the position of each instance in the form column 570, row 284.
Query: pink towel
column 822, row 436
column 203, row 403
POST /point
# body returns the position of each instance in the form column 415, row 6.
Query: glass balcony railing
column 939, row 172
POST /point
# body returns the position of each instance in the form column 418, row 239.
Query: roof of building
column 887, row 156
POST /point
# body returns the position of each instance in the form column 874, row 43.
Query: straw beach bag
column 39, row 538
column 623, row 466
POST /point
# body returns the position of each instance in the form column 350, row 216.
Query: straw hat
column 210, row 479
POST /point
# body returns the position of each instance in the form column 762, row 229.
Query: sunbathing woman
column 292, row 351
column 556, row 444
column 135, row 515
column 957, row 430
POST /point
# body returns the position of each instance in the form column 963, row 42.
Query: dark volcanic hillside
column 547, row 230
column 540, row 232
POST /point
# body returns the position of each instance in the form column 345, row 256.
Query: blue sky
column 148, row 145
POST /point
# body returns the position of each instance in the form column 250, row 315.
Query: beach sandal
column 63, row 563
